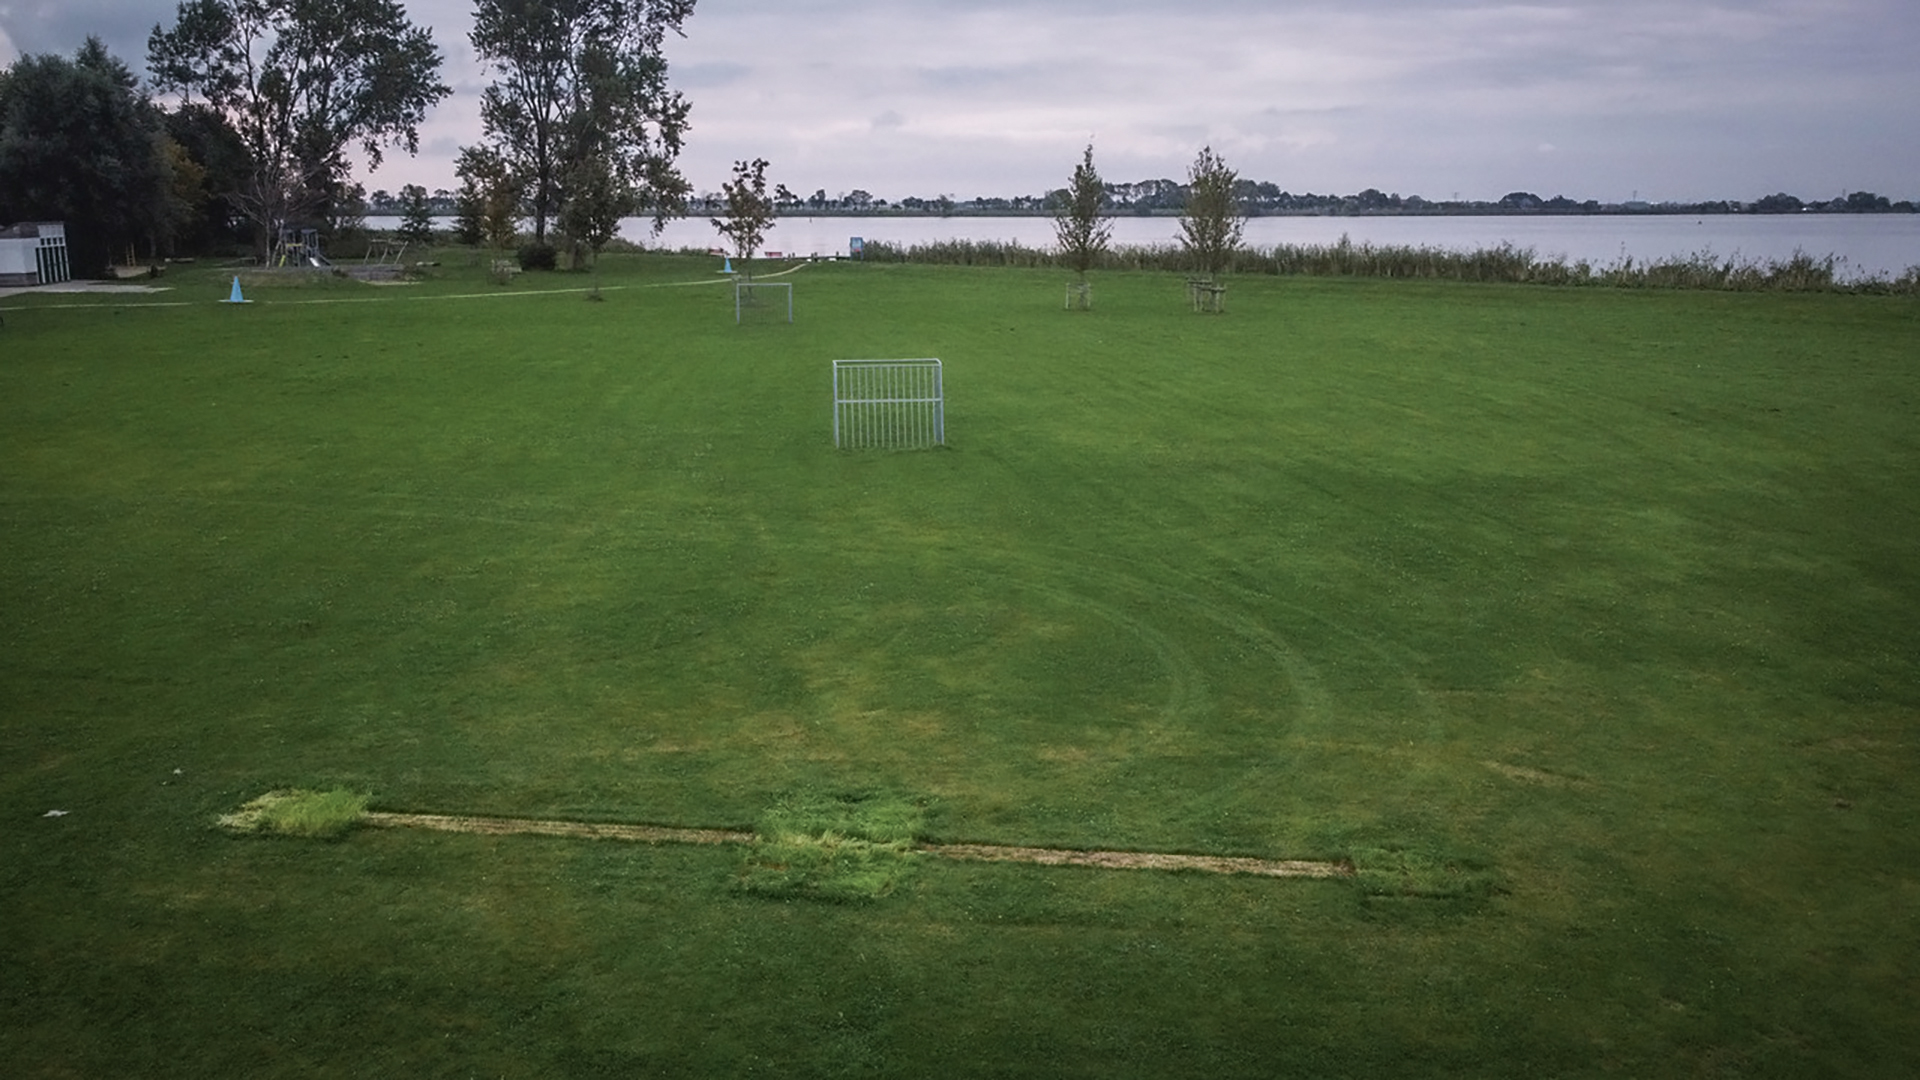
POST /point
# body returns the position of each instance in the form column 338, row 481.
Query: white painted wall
column 17, row 257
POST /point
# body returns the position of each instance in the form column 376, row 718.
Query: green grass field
column 1582, row 621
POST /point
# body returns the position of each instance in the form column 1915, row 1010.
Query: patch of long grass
column 833, row 847
column 322, row 815
column 1423, row 872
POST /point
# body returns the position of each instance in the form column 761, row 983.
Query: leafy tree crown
column 1211, row 226
column 1082, row 232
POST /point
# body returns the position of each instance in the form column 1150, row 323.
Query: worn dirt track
column 578, row 830
column 660, row 834
column 1141, row 860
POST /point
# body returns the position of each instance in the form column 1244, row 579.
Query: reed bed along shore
column 1799, row 272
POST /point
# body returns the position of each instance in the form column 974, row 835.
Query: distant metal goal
column 888, row 404
column 745, row 297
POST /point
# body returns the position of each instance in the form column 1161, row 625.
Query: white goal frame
column 889, row 404
column 740, row 290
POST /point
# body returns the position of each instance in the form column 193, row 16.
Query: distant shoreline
column 1430, row 211
column 1451, row 211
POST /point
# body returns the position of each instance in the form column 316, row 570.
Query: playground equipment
column 298, row 247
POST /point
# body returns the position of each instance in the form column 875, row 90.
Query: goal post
column 889, row 404
column 744, row 296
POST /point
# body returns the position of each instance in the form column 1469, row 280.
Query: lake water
column 1867, row 244
column 1870, row 244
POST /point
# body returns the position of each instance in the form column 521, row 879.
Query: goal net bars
column 746, row 296
column 888, row 404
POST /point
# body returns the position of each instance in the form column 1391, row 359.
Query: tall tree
column 582, row 81
column 416, row 217
column 1211, row 225
column 489, row 192
column 597, row 198
column 1078, row 224
column 79, row 143
column 301, row 81
column 469, row 214
column 223, row 167
column 749, row 209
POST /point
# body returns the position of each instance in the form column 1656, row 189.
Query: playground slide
column 319, row 260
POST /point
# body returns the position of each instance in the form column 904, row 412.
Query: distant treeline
column 1167, row 197
column 440, row 203
column 1506, row 263
column 1259, row 198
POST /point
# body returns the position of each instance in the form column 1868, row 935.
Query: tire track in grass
column 1231, row 611
column 1186, row 690
column 575, row 830
column 662, row 834
column 1303, row 678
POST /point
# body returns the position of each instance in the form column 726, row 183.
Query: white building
column 34, row 253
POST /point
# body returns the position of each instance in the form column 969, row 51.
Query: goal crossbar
column 742, row 295
column 889, row 404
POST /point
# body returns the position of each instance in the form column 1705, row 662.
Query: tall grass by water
column 1506, row 263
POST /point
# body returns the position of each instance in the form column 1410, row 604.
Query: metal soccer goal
column 745, row 296
column 888, row 404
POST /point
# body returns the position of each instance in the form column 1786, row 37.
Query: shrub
column 539, row 256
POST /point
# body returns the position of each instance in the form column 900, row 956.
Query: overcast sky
column 1672, row 99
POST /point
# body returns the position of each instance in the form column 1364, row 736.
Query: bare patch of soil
column 1142, row 860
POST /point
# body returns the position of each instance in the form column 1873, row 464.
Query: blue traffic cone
column 236, row 298
column 728, row 269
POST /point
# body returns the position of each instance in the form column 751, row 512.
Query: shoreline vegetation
column 993, row 208
column 1169, row 202
column 1506, row 263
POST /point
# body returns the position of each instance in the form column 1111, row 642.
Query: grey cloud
column 1690, row 98
column 62, row 27
column 969, row 78
column 709, row 75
